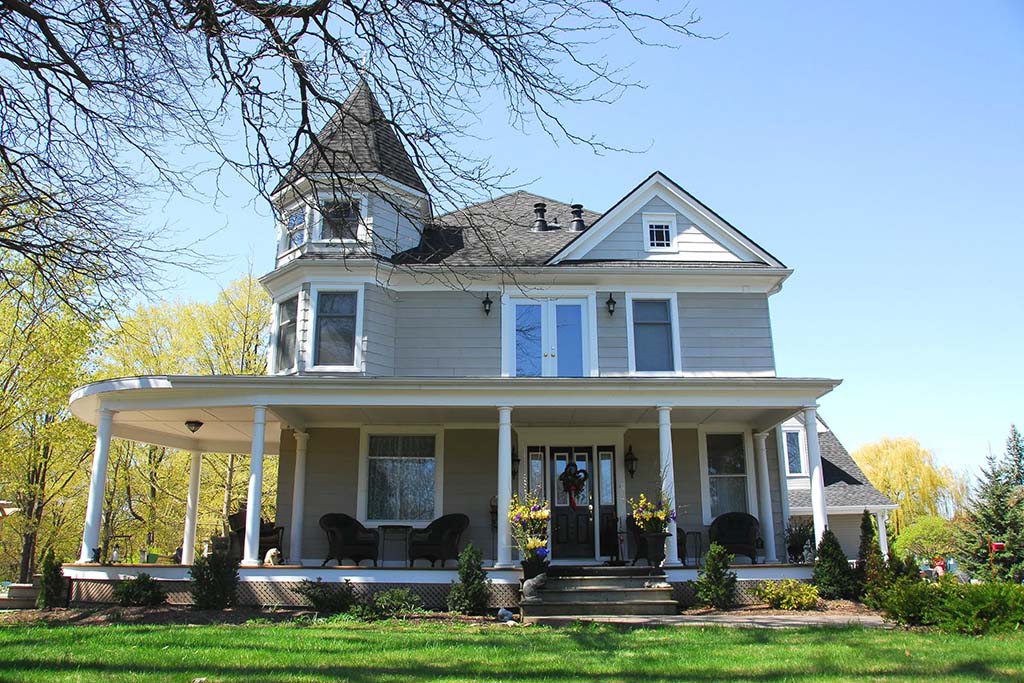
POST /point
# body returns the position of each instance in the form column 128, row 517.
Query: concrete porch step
column 590, row 608
column 584, row 582
column 23, row 591
column 577, row 595
column 566, row 571
column 17, row 603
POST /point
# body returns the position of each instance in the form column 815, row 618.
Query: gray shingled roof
column 357, row 140
column 845, row 483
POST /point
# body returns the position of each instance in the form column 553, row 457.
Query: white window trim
column 677, row 356
column 295, row 292
column 705, row 479
column 283, row 247
column 802, row 436
column 314, row 302
column 660, row 219
column 362, row 231
column 362, row 491
column 508, row 327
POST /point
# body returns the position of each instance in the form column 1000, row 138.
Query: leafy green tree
column 927, row 538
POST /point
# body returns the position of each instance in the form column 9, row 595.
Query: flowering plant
column 652, row 517
column 528, row 521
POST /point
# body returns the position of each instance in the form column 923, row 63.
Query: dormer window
column 295, row 225
column 660, row 232
column 340, row 221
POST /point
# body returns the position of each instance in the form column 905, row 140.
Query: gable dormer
column 660, row 221
column 354, row 192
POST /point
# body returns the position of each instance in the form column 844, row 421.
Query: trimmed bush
column 52, row 588
column 832, row 572
column 716, row 584
column 142, row 591
column 471, row 593
column 214, row 581
column 329, row 598
column 396, row 602
column 788, row 594
column 975, row 609
column 906, row 600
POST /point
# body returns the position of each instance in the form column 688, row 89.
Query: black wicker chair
column 439, row 540
column 270, row 536
column 346, row 537
column 737, row 532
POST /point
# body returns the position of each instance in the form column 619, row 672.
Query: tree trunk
column 228, row 480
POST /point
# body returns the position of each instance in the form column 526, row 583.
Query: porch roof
column 153, row 409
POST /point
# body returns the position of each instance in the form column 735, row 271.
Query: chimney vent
column 540, row 224
column 577, row 219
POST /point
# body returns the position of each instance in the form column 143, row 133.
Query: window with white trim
column 340, row 220
column 794, row 452
column 335, row 343
column 659, row 232
column 287, row 317
column 727, row 473
column 401, row 477
column 653, row 336
column 295, row 228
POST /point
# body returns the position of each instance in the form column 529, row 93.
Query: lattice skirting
column 284, row 594
column 684, row 592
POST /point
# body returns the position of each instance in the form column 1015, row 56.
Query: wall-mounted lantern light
column 631, row 461
column 610, row 304
column 193, row 425
column 487, row 303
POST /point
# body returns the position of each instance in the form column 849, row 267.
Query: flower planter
column 533, row 568
column 655, row 541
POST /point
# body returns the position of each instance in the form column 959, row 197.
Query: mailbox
column 997, row 546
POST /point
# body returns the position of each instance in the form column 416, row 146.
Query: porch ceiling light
column 610, row 304
column 487, row 303
column 193, row 425
column 631, row 461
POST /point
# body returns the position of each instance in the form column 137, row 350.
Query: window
column 535, row 475
column 336, row 329
column 727, row 473
column 287, row 312
column 794, row 453
column 340, row 221
column 659, row 232
column 654, row 340
column 401, row 477
column 295, row 225
column 607, row 473
column 548, row 338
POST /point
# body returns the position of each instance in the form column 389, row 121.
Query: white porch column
column 97, row 485
column 188, row 545
column 883, row 539
column 254, row 500
column 817, row 477
column 298, row 499
column 504, row 558
column 668, row 480
column 764, row 497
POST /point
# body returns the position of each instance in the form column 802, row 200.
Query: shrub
column 796, row 537
column 906, row 600
column 716, row 584
column 975, row 609
column 471, row 593
column 330, row 598
column 214, row 581
column 832, row 572
column 788, row 594
column 52, row 590
column 396, row 602
column 142, row 591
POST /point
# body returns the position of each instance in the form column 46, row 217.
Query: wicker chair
column 270, row 536
column 737, row 532
column 439, row 540
column 346, row 537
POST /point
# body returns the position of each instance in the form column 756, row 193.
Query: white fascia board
column 844, row 509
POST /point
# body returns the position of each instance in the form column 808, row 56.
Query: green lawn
column 397, row 651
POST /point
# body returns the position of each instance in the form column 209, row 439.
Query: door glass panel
column 569, row 339
column 535, row 480
column 561, row 497
column 607, row 473
column 582, row 465
column 528, row 340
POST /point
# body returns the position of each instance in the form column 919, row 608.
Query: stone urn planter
column 655, row 542
column 533, row 567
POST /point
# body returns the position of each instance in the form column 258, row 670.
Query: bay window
column 287, row 315
column 335, row 341
column 340, row 221
column 295, row 228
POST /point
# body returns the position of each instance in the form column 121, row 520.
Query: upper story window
column 794, row 452
column 295, row 227
column 659, row 232
column 653, row 334
column 548, row 338
column 287, row 315
column 336, row 327
column 341, row 220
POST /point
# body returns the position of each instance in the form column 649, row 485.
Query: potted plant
column 652, row 519
column 797, row 536
column 528, row 519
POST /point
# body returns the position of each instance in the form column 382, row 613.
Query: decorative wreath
column 573, row 480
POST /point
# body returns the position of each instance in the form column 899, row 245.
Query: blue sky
column 877, row 148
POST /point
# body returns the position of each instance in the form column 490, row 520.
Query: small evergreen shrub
column 142, row 591
column 716, row 584
column 788, row 594
column 471, row 593
column 796, row 537
column 832, row 572
column 330, row 598
column 214, row 581
column 52, row 588
column 396, row 602
column 975, row 609
column 906, row 600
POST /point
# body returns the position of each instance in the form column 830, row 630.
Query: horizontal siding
column 379, row 311
column 612, row 345
column 725, row 332
column 394, row 231
column 446, row 334
column 470, row 481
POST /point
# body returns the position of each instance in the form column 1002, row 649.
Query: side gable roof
column 660, row 185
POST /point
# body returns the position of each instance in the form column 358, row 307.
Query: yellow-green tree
column 906, row 472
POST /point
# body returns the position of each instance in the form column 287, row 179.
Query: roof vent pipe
column 577, row 219
column 539, row 222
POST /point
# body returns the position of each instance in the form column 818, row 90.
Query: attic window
column 295, row 224
column 659, row 232
column 340, row 221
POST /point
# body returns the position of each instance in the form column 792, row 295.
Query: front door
column 572, row 527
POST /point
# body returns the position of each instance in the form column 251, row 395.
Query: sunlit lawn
column 399, row 651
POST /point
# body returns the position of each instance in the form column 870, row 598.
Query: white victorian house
column 425, row 365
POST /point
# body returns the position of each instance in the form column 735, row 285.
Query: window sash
column 401, row 475
column 659, row 235
column 653, row 337
column 336, row 329
column 340, row 221
column 295, row 227
column 794, row 456
column 727, row 473
column 287, row 313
